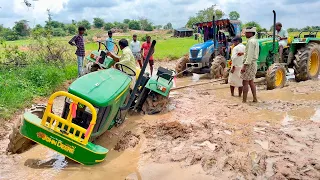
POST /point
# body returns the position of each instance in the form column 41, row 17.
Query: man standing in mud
column 109, row 42
column 144, row 52
column 78, row 41
column 249, row 68
column 237, row 63
column 135, row 48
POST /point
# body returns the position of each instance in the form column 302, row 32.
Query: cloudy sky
column 292, row 13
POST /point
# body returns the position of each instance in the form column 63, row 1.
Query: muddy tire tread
column 181, row 65
column 301, row 62
column 217, row 69
column 18, row 143
column 271, row 76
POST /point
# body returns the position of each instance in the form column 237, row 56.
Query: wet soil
column 204, row 134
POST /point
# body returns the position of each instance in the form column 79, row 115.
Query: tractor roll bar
column 145, row 63
column 214, row 36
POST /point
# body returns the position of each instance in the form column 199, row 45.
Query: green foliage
column 253, row 24
column 124, row 27
column 168, row 26
column 85, row 23
column 22, row 28
column 71, row 29
column 8, row 34
column 108, row 26
column 149, row 27
column 126, row 21
column 98, row 22
column 58, row 32
column 234, row 15
column 145, row 24
column 135, row 25
column 205, row 15
column 54, row 24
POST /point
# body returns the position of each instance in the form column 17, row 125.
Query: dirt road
column 205, row 134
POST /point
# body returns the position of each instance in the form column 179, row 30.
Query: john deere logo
column 41, row 135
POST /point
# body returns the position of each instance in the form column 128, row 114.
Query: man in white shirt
column 237, row 63
column 135, row 48
column 282, row 35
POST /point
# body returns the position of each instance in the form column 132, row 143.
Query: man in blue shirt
column 109, row 42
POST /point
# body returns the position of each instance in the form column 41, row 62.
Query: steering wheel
column 121, row 67
column 117, row 47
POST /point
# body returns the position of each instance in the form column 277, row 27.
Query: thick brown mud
column 204, row 134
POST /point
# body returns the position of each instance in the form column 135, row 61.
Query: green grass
column 19, row 86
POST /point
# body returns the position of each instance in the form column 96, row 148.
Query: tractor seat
column 164, row 73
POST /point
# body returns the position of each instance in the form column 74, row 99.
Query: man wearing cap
column 249, row 68
column 282, row 34
column 237, row 63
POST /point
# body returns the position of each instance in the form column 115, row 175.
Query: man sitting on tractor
column 127, row 59
column 282, row 34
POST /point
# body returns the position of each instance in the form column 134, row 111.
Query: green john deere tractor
column 93, row 104
column 98, row 59
column 302, row 54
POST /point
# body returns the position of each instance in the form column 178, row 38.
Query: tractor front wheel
column 218, row 67
column 276, row 76
column 307, row 62
column 181, row 65
column 155, row 103
column 18, row 143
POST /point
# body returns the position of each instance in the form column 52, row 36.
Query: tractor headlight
column 199, row 54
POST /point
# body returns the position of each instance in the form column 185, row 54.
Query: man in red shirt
column 144, row 52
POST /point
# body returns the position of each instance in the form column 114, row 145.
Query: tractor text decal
column 57, row 143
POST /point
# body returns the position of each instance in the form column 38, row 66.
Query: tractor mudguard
column 108, row 62
column 159, row 85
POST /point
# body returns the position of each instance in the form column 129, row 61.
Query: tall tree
column 22, row 28
column 205, row 15
column 253, row 24
column 108, row 26
column 234, row 15
column 168, row 26
column 135, row 25
column 85, row 23
column 126, row 21
column 98, row 22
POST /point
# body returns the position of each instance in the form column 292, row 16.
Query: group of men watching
column 244, row 61
column 130, row 53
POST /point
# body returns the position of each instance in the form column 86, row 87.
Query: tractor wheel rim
column 314, row 63
column 279, row 78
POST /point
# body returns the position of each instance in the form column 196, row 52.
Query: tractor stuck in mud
column 94, row 104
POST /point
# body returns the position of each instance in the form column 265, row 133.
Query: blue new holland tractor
column 212, row 54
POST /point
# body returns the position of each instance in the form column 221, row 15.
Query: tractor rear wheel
column 307, row 62
column 218, row 65
column 18, row 143
column 155, row 103
column 276, row 76
column 181, row 65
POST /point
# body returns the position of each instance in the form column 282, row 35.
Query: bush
column 149, row 27
column 58, row 32
column 135, row 25
column 98, row 22
column 108, row 26
column 71, row 29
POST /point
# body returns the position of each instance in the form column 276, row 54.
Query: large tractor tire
column 155, row 103
column 276, row 76
column 181, row 66
column 18, row 143
column 307, row 62
column 218, row 67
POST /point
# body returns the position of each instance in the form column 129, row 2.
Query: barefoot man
column 237, row 63
column 249, row 68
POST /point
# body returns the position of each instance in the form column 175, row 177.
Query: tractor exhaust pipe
column 274, row 32
column 214, row 35
column 134, row 91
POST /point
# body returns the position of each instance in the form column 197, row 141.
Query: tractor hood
column 101, row 88
column 202, row 45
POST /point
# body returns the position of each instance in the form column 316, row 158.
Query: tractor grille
column 194, row 53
